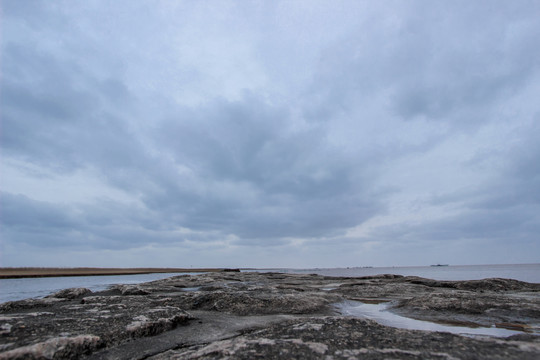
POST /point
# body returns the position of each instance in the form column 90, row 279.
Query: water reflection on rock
column 381, row 313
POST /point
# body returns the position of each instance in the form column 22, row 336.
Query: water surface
column 18, row 289
column 380, row 314
column 522, row 272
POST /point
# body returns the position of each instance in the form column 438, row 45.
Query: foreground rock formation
column 271, row 316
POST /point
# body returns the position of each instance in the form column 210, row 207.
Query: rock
column 56, row 348
column 72, row 293
column 465, row 306
column 5, row 329
column 144, row 326
column 256, row 303
column 270, row 315
column 349, row 338
column 130, row 290
column 494, row 284
column 29, row 304
column 114, row 319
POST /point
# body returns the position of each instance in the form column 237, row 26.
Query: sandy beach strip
column 33, row 272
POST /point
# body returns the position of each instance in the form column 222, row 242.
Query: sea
column 18, row 289
column 522, row 272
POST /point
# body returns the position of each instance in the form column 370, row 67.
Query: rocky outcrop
column 114, row 319
column 494, row 284
column 72, row 293
column 130, row 290
column 270, row 315
column 56, row 348
column 483, row 309
column 348, row 338
column 258, row 303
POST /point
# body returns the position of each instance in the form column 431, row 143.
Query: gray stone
column 350, row 338
column 72, row 293
column 270, row 315
column 130, row 290
column 56, row 348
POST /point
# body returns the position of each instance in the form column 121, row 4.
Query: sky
column 269, row 133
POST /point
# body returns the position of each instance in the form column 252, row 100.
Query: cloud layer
column 154, row 133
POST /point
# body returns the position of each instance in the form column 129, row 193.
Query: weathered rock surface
column 72, row 293
column 56, row 348
column 349, row 338
column 270, row 315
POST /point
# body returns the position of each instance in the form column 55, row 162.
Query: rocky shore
column 272, row 316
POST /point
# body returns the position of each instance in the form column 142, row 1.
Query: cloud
column 358, row 128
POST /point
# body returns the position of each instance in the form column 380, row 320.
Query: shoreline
column 38, row 272
column 234, row 314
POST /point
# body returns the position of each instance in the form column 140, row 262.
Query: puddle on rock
column 331, row 286
column 372, row 301
column 380, row 314
column 191, row 288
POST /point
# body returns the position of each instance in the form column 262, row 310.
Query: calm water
column 17, row 289
column 380, row 313
column 522, row 272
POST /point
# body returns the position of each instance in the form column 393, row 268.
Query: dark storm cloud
column 243, row 171
column 518, row 183
column 466, row 68
column 213, row 134
column 20, row 211
column 439, row 61
column 107, row 225
column 505, row 209
column 53, row 114
column 296, row 183
column 508, row 225
column 250, row 143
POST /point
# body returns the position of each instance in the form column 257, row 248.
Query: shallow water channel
column 381, row 314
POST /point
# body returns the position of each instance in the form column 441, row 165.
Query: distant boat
column 440, row 265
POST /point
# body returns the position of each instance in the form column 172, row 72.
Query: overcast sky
column 269, row 133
